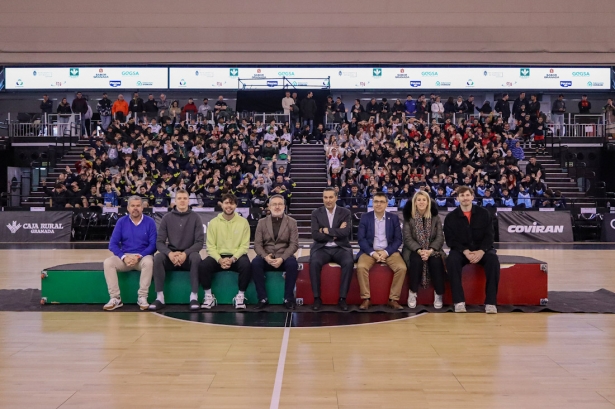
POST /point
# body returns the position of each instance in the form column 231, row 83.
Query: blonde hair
column 427, row 214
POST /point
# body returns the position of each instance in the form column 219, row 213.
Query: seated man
column 468, row 231
column 228, row 240
column 331, row 227
column 133, row 244
column 275, row 243
column 180, row 238
column 379, row 239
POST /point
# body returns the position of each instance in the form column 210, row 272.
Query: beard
column 277, row 214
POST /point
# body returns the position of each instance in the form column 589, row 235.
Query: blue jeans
column 309, row 122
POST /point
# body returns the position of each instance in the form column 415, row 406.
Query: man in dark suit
column 379, row 240
column 468, row 231
column 275, row 243
column 331, row 227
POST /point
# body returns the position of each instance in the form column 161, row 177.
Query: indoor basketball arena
column 332, row 205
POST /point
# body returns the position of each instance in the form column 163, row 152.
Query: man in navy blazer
column 331, row 226
column 379, row 240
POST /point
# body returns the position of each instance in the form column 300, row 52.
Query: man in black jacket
column 136, row 108
column 151, row 107
column 331, row 230
column 535, row 169
column 180, row 238
column 521, row 100
column 46, row 109
column 308, row 111
column 468, row 231
column 502, row 107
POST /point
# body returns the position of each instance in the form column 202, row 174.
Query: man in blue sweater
column 133, row 244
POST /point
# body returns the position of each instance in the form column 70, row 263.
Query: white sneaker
column 239, row 301
column 113, row 304
column 142, row 303
column 491, row 309
column 209, row 301
column 411, row 299
column 437, row 301
column 460, row 307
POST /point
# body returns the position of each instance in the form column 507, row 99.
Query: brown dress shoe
column 394, row 305
column 365, row 305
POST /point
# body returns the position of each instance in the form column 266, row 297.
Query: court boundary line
column 324, row 326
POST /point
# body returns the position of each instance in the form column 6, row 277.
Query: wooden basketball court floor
column 143, row 360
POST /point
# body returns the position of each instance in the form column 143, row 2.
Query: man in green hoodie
column 180, row 238
column 228, row 240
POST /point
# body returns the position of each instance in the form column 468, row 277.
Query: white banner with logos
column 84, row 78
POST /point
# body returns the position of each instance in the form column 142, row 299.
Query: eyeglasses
column 379, row 202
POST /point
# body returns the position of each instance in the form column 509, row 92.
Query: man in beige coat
column 275, row 243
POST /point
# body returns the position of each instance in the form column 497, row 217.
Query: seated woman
column 422, row 251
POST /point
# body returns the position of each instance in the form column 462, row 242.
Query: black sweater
column 476, row 235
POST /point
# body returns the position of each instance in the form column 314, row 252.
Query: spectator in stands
column 175, row 111
column 136, row 108
column 104, row 110
column 189, row 111
column 59, row 195
column 584, row 106
column 502, row 107
column 519, row 102
column 379, row 241
column 535, row 169
column 287, row 103
column 228, row 240
column 468, row 231
column 80, row 106
column 422, row 252
column 133, row 244
column 163, row 106
column 410, row 106
column 308, row 110
column 517, row 151
column 460, row 105
column 357, row 110
column 180, row 238
column 437, row 109
column 373, row 108
column 151, row 107
column 64, row 111
column 275, row 243
column 204, row 110
column 340, row 111
column 46, row 106
column 220, row 108
column 470, row 105
column 557, row 114
column 331, row 227
column 120, row 109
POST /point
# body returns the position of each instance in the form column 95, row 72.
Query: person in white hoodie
column 287, row 103
column 437, row 109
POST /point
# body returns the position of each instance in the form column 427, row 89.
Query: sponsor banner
column 33, row 227
column 608, row 227
column 535, row 226
column 86, row 78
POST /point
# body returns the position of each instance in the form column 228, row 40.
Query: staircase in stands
column 70, row 158
column 309, row 172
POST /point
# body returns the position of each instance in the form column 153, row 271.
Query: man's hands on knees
column 177, row 257
column 380, row 256
column 474, row 256
column 272, row 261
column 132, row 260
column 225, row 262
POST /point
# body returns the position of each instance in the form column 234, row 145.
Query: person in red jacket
column 189, row 109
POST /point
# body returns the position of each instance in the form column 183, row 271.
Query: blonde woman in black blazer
column 422, row 252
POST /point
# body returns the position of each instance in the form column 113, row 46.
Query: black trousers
column 490, row 262
column 209, row 266
column 162, row 264
column 290, row 266
column 325, row 255
column 436, row 272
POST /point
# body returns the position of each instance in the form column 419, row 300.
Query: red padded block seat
column 523, row 281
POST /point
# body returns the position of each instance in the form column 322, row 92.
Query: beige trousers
column 394, row 261
column 114, row 264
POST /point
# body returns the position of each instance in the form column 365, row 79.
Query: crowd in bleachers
column 153, row 148
column 400, row 149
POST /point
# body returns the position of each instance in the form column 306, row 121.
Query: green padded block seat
column 84, row 283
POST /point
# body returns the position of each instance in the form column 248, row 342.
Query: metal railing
column 48, row 125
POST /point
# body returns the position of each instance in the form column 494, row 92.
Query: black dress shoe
column 317, row 304
column 261, row 304
column 289, row 304
column 342, row 304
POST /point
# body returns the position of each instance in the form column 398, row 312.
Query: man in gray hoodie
column 180, row 238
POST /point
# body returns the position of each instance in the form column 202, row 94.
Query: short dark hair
column 380, row 194
column 230, row 197
column 464, row 189
column 330, row 189
column 179, row 191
